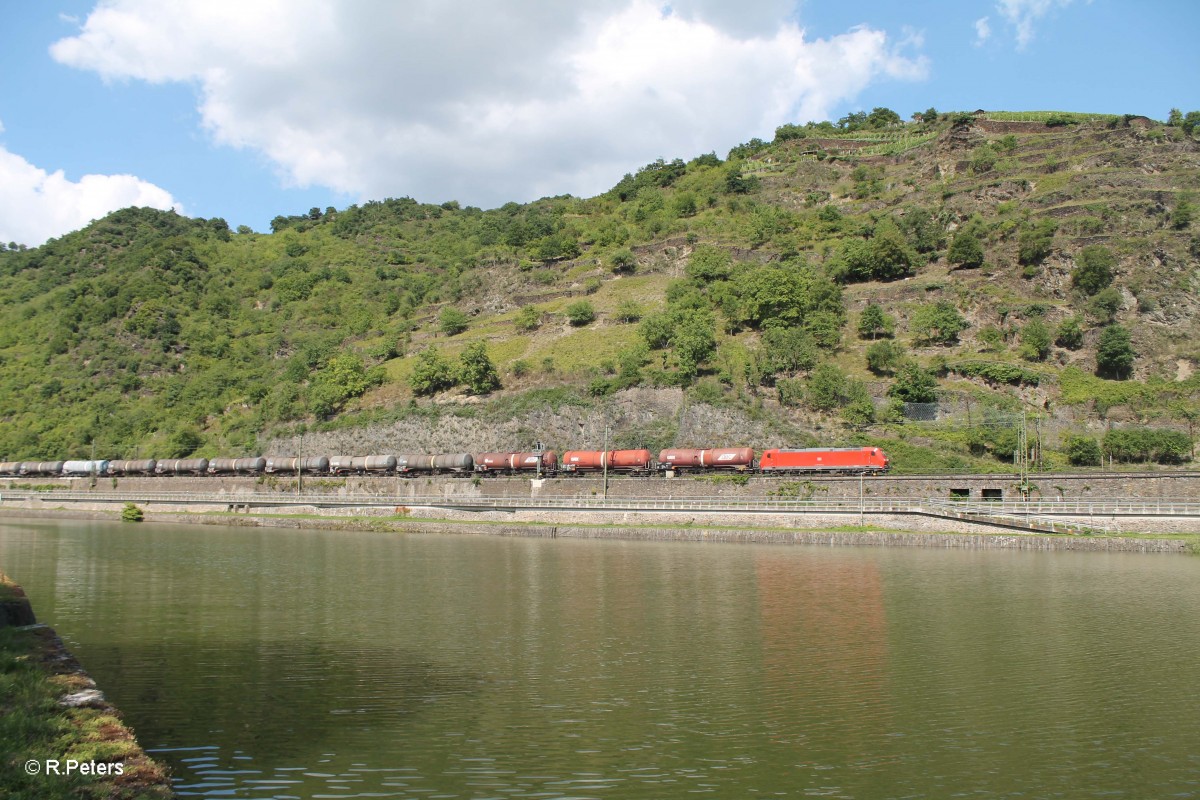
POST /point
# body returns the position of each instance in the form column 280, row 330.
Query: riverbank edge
column 732, row 534
column 95, row 730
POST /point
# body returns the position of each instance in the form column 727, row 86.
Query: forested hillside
column 822, row 287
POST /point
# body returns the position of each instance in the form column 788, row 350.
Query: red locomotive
column 824, row 459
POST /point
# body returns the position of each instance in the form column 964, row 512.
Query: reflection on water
column 272, row 664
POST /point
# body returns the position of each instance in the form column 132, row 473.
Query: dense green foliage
column 937, row 323
column 825, row 274
column 1114, row 353
column 1082, row 451
column 1148, row 445
column 1093, row 269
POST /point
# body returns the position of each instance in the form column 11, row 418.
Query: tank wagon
column 316, row 464
column 826, row 460
column 421, row 463
column 10, row 467
column 236, row 466
column 41, row 468
column 181, row 466
column 517, row 462
column 633, row 462
column 361, row 465
column 81, row 468
column 740, row 459
column 123, row 467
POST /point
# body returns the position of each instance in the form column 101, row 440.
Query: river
column 314, row 664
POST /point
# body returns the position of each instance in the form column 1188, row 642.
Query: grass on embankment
column 35, row 728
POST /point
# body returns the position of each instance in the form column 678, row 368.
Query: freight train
column 778, row 461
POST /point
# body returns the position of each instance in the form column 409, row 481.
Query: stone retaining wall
column 1047, row 486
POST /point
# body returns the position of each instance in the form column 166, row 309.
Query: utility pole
column 605, row 460
column 1023, row 456
column 300, row 466
column 860, row 499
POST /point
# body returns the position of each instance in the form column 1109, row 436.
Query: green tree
column 874, row 323
column 1069, row 333
column 453, row 322
column 1191, row 121
column 343, row 377
column 1093, row 269
column 924, row 229
column 477, row 371
column 1082, row 451
column 914, row 384
column 891, row 255
column 1184, row 213
column 966, row 250
column 859, row 408
column 885, row 357
column 431, row 374
column 623, row 261
column 991, row 338
column 527, row 319
column 1105, row 305
column 684, row 204
column 937, row 323
column 983, row 158
column 736, row 182
column 693, row 341
column 786, row 350
column 656, row 330
column 1035, row 340
column 1036, row 242
column 580, row 313
column 709, row 264
column 771, row 296
column 556, row 247
column 628, row 311
column 881, row 117
column 1114, row 353
column 825, row 328
column 185, row 441
column 826, row 387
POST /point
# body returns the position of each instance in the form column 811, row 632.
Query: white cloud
column 36, row 205
column 485, row 102
column 983, row 31
column 1022, row 15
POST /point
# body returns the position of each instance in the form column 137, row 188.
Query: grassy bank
column 36, row 672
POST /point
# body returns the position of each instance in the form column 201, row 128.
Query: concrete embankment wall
column 890, row 529
column 1045, row 486
column 887, row 538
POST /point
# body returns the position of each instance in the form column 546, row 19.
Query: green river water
column 310, row 664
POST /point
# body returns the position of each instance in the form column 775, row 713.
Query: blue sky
column 249, row 109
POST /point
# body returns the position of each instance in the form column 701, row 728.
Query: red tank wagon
column 824, row 459
column 516, row 462
column 631, row 461
column 733, row 458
